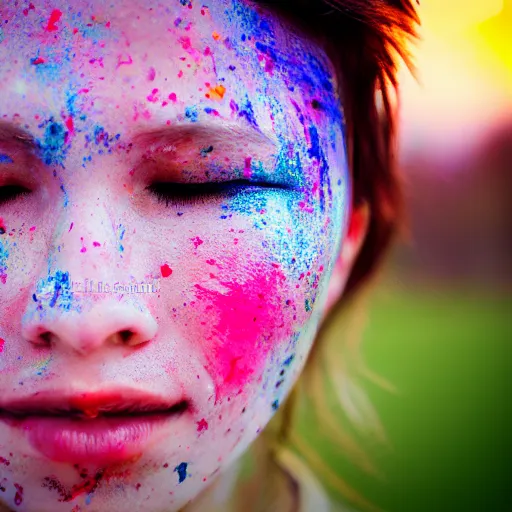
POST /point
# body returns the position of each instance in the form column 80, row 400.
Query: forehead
column 113, row 43
column 104, row 72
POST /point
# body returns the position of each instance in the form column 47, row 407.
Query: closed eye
column 172, row 193
column 9, row 193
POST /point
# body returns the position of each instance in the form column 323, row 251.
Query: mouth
column 104, row 427
column 90, row 407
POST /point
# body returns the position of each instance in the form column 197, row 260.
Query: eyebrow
column 178, row 134
column 208, row 133
column 9, row 132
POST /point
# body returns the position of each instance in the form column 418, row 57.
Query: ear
column 350, row 248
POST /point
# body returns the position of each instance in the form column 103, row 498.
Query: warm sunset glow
column 465, row 77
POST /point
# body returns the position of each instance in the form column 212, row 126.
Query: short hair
column 365, row 40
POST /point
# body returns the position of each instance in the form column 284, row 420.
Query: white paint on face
column 199, row 147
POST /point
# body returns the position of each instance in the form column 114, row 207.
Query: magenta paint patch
column 165, row 270
column 202, row 425
column 18, row 498
column 2, row 343
column 197, row 241
column 246, row 323
column 55, row 16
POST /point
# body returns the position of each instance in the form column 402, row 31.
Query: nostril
column 126, row 336
column 105, row 324
column 46, row 338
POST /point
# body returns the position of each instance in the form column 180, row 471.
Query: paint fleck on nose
column 182, row 471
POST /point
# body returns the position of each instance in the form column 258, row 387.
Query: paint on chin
column 247, row 321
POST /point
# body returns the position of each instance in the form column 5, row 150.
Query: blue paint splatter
column 249, row 202
column 71, row 98
column 303, row 69
column 121, row 231
column 211, row 111
column 275, row 405
column 56, row 63
column 4, row 255
column 248, row 112
column 288, row 167
column 191, row 114
column 59, row 287
column 204, row 151
column 315, row 151
column 181, row 469
column 53, row 147
column 66, row 198
column 270, row 52
column 246, row 16
column 289, row 360
column 5, row 159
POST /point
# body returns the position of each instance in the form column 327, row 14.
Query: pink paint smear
column 247, row 322
column 54, row 18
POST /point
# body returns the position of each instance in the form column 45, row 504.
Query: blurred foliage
column 448, row 355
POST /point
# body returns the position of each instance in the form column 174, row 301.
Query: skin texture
column 118, row 97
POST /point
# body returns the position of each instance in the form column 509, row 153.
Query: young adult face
column 193, row 147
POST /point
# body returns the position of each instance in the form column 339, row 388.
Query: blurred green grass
column 448, row 353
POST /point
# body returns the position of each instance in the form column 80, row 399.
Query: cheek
column 246, row 301
column 242, row 322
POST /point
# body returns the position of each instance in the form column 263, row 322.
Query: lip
column 96, row 427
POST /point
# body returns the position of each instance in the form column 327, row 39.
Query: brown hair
column 365, row 40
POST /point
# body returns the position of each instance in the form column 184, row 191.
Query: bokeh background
column 437, row 343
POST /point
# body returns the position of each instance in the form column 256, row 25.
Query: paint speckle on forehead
column 55, row 16
column 197, row 242
column 191, row 114
column 52, row 146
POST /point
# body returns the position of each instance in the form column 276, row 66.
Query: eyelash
column 10, row 193
column 172, row 194
column 178, row 194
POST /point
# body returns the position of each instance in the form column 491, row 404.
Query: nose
column 106, row 323
column 62, row 317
